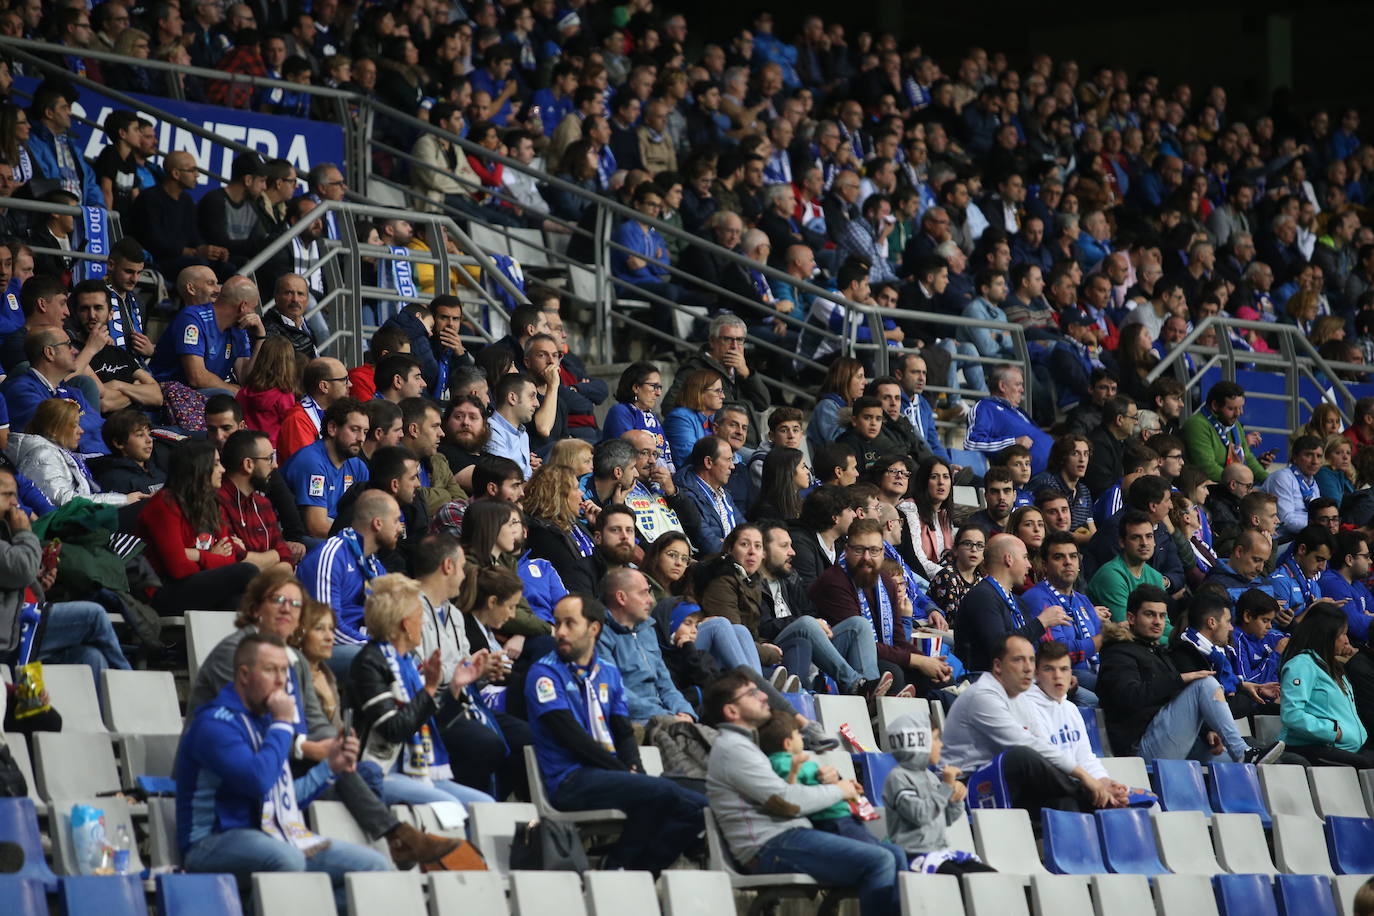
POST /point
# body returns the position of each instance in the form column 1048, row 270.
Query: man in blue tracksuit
column 338, row 570
column 586, row 748
column 238, row 808
column 630, row 641
column 997, row 422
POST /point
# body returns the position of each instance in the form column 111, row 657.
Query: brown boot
column 411, row 847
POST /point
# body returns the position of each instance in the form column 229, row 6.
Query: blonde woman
column 399, row 702
column 1337, row 479
column 47, row 453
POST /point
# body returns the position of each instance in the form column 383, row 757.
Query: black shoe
column 1263, row 755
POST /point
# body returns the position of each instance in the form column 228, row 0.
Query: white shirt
column 984, row 722
column 1062, row 723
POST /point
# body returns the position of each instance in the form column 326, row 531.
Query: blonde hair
column 546, row 495
column 569, row 453
column 54, row 418
column 1334, row 442
column 394, row 598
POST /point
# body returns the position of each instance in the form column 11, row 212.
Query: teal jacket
column 1313, row 703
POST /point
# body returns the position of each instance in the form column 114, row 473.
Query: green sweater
column 1111, row 586
column 808, row 775
column 1313, row 703
column 1207, row 452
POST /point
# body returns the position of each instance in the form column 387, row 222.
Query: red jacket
column 363, row 380
column 297, row 431
column 252, row 520
column 265, row 410
column 163, row 525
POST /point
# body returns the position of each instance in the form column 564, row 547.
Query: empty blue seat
column 1302, row 894
column 1071, row 843
column 23, row 896
column 19, row 824
column 1090, row 727
column 1245, row 895
column 201, row 895
column 1180, row 787
column 1234, row 789
column 108, row 895
column 1350, row 843
column 872, row 768
column 802, row 703
column 1128, row 842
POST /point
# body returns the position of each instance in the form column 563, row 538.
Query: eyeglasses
column 971, row 545
column 898, row 472
column 865, row 551
column 264, row 457
column 282, row 601
column 676, row 556
column 748, row 692
column 731, row 340
column 715, row 389
column 653, row 386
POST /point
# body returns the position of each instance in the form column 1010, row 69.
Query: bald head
column 239, row 294
column 1004, row 547
column 197, row 285
column 373, row 505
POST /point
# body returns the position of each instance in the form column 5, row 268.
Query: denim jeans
column 1173, row 733
column 839, row 861
column 80, row 633
column 399, row 789
column 663, row 820
column 242, row 851
column 731, row 643
column 1084, row 695
column 850, row 656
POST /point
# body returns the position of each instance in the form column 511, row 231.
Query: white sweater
column 1062, row 723
column 984, row 722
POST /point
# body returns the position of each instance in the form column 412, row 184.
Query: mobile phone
column 347, row 722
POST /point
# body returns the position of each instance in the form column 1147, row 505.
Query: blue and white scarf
column 1079, row 609
column 1308, row 488
column 884, row 624
column 1229, row 435
column 596, row 716
column 396, row 274
column 585, row 545
column 424, row 757
column 281, row 816
column 1016, row 615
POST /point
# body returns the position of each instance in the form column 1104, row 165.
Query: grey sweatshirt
column 751, row 803
column 917, row 800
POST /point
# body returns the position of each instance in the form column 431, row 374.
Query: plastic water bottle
column 122, row 844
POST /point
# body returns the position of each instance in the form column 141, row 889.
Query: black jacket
column 369, row 684
column 1135, row 680
column 117, row 474
column 1105, row 468
column 984, row 619
column 798, row 605
column 547, row 542
column 810, row 561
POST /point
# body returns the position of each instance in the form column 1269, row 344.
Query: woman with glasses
column 201, row 563
column 638, row 392
column 703, row 393
column 48, row 453
column 667, row 561
column 962, row 571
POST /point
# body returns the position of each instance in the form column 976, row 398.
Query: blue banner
column 301, row 142
column 96, row 234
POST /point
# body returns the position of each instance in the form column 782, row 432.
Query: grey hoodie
column 917, row 800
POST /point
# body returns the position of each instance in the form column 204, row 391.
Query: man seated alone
column 993, row 718
column 1154, row 711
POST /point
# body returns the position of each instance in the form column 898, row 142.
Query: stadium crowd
column 441, row 557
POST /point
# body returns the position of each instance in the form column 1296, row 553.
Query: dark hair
column 612, row 509
column 1255, row 603
column 830, row 456
column 1348, row 543
column 1306, row 443
column 1309, row 538
column 246, row 652
column 1115, row 406
column 706, row 447
column 508, row 384
column 389, row 464
column 996, row 474
column 592, row 610
column 121, row 424
column 431, row 552
column 774, row 734
column 481, row 522
column 634, row 374
column 381, row 414
column 779, row 489
column 388, row 339
column 720, row 693
column 188, row 483
column 336, row 413
column 414, row 410
column 1130, row 518
column 1224, row 391
column 391, row 366
column 227, row 403
column 1054, row 539
column 920, row 490
column 1136, row 456
column 822, row 505
column 1051, row 651
column 239, row 446
column 493, row 469
column 1316, row 633
column 1143, row 593
column 1204, row 607
column 1146, row 491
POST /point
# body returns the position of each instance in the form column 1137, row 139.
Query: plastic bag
column 29, row 694
column 93, row 852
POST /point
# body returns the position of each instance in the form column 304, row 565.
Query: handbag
column 548, row 846
column 464, row 858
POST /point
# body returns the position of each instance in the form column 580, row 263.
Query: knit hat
column 680, row 613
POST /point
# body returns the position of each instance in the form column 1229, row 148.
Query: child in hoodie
column 921, row 802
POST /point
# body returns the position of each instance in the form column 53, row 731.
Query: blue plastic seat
column 19, row 824
column 1245, row 895
column 1071, row 843
column 108, row 895
column 1090, row 727
column 1180, row 786
column 198, row 895
column 1234, row 789
column 1128, row 842
column 802, row 703
column 1302, row 894
column 23, row 896
column 872, row 768
column 1350, row 843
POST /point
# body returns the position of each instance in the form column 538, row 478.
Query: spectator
column 1108, row 443
column 338, row 571
column 189, row 542
column 164, row 219
column 52, row 362
column 1317, row 706
column 629, row 642
column 724, row 353
column 1343, row 582
column 989, row 611
column 270, row 390
column 129, row 467
column 1154, row 710
column 48, row 453
column 704, row 477
column 778, row 838
column 324, row 383
column 998, row 421
column 124, row 383
column 245, row 508
column 556, row 534
column 1297, row 581
column 961, row 572
column 286, row 317
column 1129, row 570
column 210, row 346
column 703, row 393
column 586, row 749
column 1215, row 436
column 320, row 473
column 1296, row 486
column 53, row 150
column 515, row 403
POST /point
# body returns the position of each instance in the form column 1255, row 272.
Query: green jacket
column 1207, row 452
column 808, row 775
column 1111, row 587
column 1312, row 703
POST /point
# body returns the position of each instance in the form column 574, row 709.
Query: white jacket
column 54, row 470
column 1062, row 723
column 984, row 722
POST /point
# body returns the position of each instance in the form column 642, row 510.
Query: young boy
column 865, row 434
column 1017, row 460
column 922, row 798
column 781, row 740
column 785, row 430
column 1259, row 647
column 129, row 467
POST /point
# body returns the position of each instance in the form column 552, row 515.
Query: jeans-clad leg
column 854, row 639
column 870, row 867
column 79, row 632
column 1174, row 730
column 724, row 640
column 827, row 658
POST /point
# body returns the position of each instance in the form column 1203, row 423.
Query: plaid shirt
column 252, row 520
column 246, row 60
